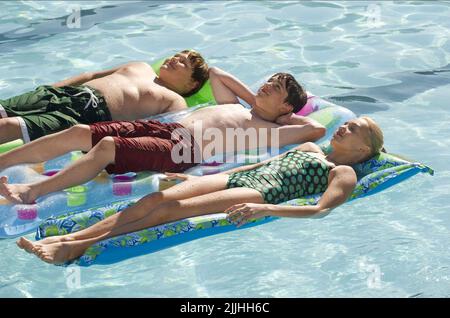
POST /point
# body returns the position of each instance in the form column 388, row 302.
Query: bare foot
column 59, row 253
column 28, row 245
column 25, row 244
column 16, row 193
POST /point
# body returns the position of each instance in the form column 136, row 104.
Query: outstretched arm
column 341, row 182
column 227, row 88
column 87, row 76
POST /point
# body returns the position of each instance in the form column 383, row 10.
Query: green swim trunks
column 49, row 109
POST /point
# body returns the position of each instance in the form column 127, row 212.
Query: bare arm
column 297, row 129
column 87, row 76
column 178, row 103
column 341, row 182
column 227, row 88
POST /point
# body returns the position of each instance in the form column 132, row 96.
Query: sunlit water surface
column 389, row 61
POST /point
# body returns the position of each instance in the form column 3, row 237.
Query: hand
column 284, row 119
column 178, row 176
column 242, row 213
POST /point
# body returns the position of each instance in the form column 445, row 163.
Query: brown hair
column 297, row 96
column 376, row 138
column 200, row 71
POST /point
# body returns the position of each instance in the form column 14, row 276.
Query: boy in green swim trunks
column 149, row 145
column 127, row 92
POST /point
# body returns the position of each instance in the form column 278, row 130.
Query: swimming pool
column 389, row 61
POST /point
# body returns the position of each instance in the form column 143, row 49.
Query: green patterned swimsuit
column 292, row 176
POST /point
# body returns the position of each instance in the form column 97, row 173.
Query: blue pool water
column 389, row 61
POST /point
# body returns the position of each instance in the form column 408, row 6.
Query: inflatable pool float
column 105, row 189
column 7, row 146
column 19, row 219
column 374, row 175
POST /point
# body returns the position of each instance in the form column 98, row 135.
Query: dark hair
column 297, row 96
column 200, row 71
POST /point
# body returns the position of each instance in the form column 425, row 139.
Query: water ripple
column 396, row 70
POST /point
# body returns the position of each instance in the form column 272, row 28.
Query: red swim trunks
column 146, row 145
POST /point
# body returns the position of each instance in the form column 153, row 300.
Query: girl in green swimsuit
column 244, row 193
column 291, row 176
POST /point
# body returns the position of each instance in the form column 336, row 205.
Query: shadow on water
column 20, row 37
column 373, row 99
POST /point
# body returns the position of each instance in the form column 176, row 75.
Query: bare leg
column 9, row 130
column 77, row 173
column 187, row 189
column 166, row 212
column 48, row 147
column 174, row 210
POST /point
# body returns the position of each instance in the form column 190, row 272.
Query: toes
column 27, row 244
column 37, row 250
column 25, row 240
column 22, row 243
column 15, row 198
column 39, row 255
column 48, row 259
column 19, row 243
column 3, row 190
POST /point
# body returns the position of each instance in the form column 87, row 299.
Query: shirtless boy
column 127, row 92
column 124, row 146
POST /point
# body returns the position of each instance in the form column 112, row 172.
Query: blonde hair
column 376, row 139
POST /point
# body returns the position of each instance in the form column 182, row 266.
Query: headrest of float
column 384, row 161
column 203, row 96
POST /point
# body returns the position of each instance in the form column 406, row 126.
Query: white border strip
column 3, row 112
column 23, row 127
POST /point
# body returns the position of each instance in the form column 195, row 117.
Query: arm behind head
column 227, row 88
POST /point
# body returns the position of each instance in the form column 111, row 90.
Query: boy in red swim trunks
column 145, row 145
column 123, row 146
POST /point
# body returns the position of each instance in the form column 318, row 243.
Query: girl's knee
column 164, row 211
column 153, row 198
